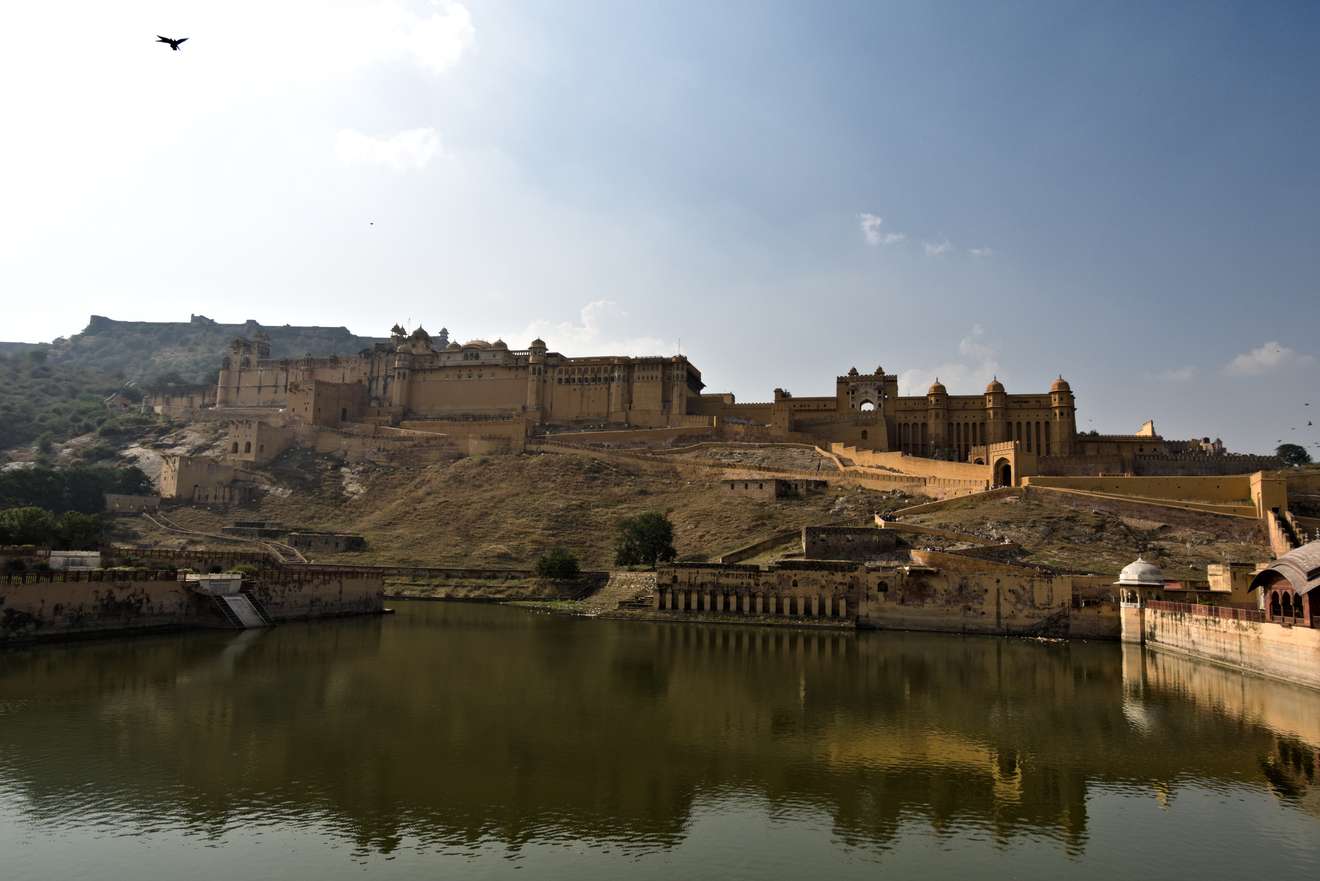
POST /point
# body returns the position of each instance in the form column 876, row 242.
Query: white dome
column 1140, row 573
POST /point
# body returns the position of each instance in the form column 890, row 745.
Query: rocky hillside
column 188, row 351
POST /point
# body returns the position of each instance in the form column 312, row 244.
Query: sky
column 1124, row 194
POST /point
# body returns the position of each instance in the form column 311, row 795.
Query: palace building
column 413, row 383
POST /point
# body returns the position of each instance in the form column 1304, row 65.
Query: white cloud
column 1177, row 374
column 402, row 151
column 966, row 375
column 438, row 42
column 870, row 224
column 935, row 249
column 600, row 330
column 1266, row 359
column 980, row 252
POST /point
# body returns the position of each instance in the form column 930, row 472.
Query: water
column 483, row 742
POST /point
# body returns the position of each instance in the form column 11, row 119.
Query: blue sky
column 1125, row 195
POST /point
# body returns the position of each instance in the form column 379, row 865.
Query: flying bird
column 174, row 44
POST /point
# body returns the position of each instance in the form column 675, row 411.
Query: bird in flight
column 174, row 44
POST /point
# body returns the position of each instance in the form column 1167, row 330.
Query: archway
column 866, row 406
column 1003, row 473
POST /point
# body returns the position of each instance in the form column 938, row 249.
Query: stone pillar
column 669, row 599
column 829, row 605
column 759, row 601
column 1131, row 616
column 692, row 601
column 746, row 603
column 815, row 605
column 680, row 596
column 719, row 602
column 656, row 599
column 843, row 608
column 705, row 601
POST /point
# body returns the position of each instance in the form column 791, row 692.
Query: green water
column 466, row 741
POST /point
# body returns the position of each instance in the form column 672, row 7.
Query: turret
column 935, row 435
column 1063, row 418
column 536, row 379
column 996, row 412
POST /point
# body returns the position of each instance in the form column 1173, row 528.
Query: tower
column 996, row 412
column 933, row 433
column 536, row 379
column 1063, row 419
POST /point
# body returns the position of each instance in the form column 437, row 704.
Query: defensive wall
column 1240, row 638
column 106, row 602
column 935, row 591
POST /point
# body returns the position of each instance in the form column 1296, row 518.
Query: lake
column 475, row 741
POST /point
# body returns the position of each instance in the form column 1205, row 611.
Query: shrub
column 558, row 563
column 644, row 540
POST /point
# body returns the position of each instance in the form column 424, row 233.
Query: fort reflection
column 461, row 724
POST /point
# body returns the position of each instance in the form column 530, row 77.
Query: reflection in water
column 453, row 729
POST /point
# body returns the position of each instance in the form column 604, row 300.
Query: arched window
column 235, row 450
column 247, row 447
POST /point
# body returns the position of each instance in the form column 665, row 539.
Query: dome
column 538, row 343
column 479, row 344
column 499, row 344
column 1060, row 385
column 852, row 371
column 420, row 335
column 1140, row 573
column 995, row 387
column 453, row 347
column 937, row 388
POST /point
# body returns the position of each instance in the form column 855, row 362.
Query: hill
column 143, row 351
column 506, row 510
column 45, row 401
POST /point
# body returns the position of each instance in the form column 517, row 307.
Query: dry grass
column 1087, row 535
column 506, row 510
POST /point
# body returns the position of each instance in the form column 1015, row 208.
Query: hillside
column 143, row 351
column 41, row 400
column 505, row 510
column 1101, row 537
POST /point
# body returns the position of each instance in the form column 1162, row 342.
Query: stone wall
column 107, row 602
column 1288, row 653
column 858, row 543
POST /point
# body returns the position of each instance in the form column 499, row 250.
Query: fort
column 486, row 396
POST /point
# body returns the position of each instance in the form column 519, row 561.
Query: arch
column 247, row 447
column 866, row 406
column 1287, row 605
column 863, row 434
column 978, row 461
column 1275, row 609
column 235, row 449
column 1003, row 473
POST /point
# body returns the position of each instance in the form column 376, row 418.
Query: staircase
column 624, row 590
column 241, row 612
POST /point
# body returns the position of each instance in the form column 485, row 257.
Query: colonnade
column 796, row 605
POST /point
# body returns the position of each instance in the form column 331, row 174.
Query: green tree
column 558, row 563
column 644, row 540
column 28, row 526
column 80, row 532
column 1293, row 454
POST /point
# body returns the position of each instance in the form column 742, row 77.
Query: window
column 247, row 447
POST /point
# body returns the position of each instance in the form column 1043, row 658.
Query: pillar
column 829, row 606
column 719, row 602
column 746, row 603
column 705, row 601
column 1131, row 614
column 759, row 602
column 692, row 601
column 843, row 608
column 815, row 605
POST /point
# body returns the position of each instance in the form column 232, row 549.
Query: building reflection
column 455, row 725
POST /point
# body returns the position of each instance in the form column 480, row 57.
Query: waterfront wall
column 107, row 602
column 941, row 592
column 1289, row 653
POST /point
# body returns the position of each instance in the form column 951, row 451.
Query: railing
column 1224, row 612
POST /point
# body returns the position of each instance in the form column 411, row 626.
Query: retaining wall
column 1288, row 653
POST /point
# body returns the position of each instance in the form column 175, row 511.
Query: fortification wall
column 35, row 607
column 1289, row 653
column 1235, row 489
column 106, row 602
column 962, row 472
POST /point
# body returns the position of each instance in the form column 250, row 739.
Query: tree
column 28, row 526
column 558, row 563
column 80, row 532
column 644, row 540
column 1293, row 454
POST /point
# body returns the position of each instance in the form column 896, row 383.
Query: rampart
column 1237, row 638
